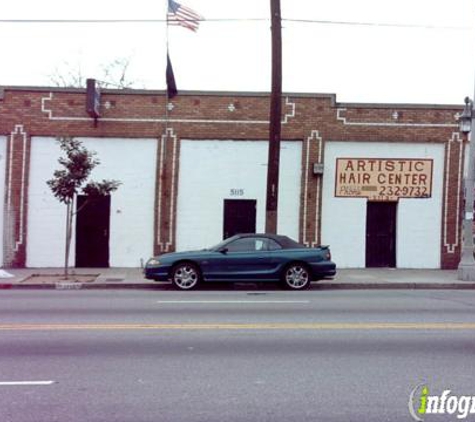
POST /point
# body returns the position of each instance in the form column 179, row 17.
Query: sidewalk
column 132, row 278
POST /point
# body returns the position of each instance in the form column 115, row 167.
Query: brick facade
column 312, row 119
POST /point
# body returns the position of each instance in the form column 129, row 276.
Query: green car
column 245, row 257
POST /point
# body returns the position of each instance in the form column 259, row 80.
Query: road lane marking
column 237, row 302
column 244, row 326
column 24, row 383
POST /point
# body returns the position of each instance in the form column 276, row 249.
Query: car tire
column 296, row 276
column 185, row 276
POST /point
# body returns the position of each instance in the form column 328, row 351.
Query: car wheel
column 296, row 277
column 186, row 276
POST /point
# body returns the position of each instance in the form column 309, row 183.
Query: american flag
column 183, row 16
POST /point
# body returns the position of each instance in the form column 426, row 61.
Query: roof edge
column 331, row 97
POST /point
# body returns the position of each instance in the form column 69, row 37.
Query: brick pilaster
column 16, row 197
column 166, row 192
column 452, row 210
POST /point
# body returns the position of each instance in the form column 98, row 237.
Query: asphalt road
column 230, row 355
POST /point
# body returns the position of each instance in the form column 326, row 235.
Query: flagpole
column 162, row 147
column 166, row 82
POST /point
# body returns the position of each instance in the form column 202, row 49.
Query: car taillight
column 328, row 255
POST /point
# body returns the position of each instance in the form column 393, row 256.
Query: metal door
column 92, row 231
column 381, row 234
column 239, row 217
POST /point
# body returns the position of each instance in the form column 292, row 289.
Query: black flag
column 171, row 84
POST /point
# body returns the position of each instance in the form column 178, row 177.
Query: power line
column 378, row 24
column 224, row 20
column 27, row 21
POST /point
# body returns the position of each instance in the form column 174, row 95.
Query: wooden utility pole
column 275, row 116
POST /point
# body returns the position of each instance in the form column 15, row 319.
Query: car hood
column 173, row 256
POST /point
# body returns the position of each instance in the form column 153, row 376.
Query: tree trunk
column 69, row 221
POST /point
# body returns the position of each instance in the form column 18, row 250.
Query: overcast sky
column 404, row 51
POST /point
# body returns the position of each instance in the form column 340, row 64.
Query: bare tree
column 112, row 75
column 68, row 76
column 115, row 74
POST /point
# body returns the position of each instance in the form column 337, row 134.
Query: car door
column 248, row 258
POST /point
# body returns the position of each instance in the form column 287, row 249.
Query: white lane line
column 25, row 383
column 238, row 302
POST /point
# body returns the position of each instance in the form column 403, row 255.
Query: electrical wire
column 377, row 24
column 224, row 20
column 125, row 20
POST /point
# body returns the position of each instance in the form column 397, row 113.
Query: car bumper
column 160, row 273
column 323, row 269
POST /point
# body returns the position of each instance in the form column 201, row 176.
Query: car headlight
column 153, row 261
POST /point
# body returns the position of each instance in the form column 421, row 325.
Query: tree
column 112, row 74
column 69, row 181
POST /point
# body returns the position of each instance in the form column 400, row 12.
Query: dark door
column 381, row 234
column 239, row 217
column 92, row 231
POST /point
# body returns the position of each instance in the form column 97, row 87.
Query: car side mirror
column 224, row 251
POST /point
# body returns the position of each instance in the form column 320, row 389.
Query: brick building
column 380, row 183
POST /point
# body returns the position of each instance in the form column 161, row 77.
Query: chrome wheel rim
column 296, row 277
column 185, row 277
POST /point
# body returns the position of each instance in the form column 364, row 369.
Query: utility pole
column 466, row 268
column 275, row 117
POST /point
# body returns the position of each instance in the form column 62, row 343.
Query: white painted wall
column 3, row 168
column 210, row 169
column 418, row 220
column 131, row 161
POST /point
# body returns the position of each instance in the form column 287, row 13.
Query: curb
column 76, row 286
column 396, row 286
column 317, row 286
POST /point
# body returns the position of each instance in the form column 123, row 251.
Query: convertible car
column 245, row 257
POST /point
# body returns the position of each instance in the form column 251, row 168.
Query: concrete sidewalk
column 132, row 278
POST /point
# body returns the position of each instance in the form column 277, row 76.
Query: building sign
column 383, row 179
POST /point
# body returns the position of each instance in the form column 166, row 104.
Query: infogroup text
column 422, row 403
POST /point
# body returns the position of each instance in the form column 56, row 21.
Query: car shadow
column 241, row 286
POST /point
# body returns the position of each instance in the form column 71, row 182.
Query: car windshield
column 221, row 244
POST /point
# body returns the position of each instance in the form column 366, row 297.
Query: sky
column 364, row 51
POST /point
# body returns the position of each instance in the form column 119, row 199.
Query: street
column 231, row 355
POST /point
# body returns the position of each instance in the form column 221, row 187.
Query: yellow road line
column 243, row 326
